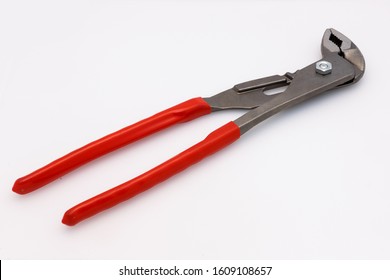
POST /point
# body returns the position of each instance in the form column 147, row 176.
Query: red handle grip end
column 214, row 142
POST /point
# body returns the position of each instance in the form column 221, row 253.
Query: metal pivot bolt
column 323, row 67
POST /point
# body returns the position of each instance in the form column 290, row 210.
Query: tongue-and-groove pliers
column 341, row 64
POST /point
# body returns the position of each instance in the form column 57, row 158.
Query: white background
column 309, row 183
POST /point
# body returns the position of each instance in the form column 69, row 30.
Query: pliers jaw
column 334, row 41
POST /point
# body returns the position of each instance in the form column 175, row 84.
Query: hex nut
column 323, row 67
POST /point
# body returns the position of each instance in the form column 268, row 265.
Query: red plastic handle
column 215, row 141
column 182, row 112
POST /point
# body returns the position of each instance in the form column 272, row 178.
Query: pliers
column 342, row 64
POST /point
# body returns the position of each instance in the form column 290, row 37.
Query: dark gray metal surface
column 347, row 67
column 306, row 84
column 247, row 95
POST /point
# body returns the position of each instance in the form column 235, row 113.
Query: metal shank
column 306, row 84
column 247, row 95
